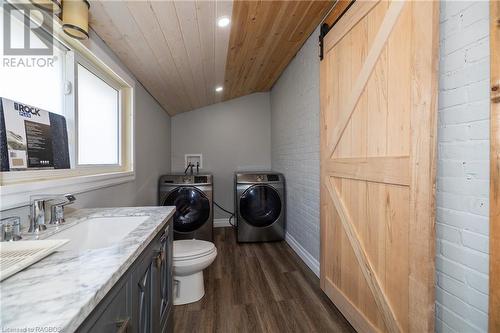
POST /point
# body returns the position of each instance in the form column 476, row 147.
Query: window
column 95, row 95
column 98, row 120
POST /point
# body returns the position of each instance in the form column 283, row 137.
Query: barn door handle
column 495, row 93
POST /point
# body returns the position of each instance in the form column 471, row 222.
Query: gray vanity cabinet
column 142, row 301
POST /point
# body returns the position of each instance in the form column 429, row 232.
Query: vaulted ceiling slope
column 177, row 51
column 265, row 36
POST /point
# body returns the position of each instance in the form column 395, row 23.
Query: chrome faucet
column 38, row 210
column 37, row 215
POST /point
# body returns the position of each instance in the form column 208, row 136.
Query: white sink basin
column 99, row 232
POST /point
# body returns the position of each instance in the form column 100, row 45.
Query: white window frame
column 17, row 186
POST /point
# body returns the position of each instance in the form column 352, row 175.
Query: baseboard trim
column 306, row 257
column 221, row 223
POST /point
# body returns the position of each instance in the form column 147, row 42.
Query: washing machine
column 260, row 206
column 192, row 196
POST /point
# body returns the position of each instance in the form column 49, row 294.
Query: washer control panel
column 186, row 179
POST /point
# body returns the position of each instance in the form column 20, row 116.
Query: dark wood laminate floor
column 259, row 287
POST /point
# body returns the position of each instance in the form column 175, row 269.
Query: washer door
column 192, row 208
column 260, row 205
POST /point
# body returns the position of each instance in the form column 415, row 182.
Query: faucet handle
column 57, row 211
column 57, row 214
column 10, row 229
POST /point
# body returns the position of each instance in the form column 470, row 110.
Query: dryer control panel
column 273, row 178
column 258, row 177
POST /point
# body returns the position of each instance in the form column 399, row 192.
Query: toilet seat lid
column 184, row 249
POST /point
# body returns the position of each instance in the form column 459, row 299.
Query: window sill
column 18, row 195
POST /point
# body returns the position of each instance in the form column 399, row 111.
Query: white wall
column 463, row 169
column 233, row 135
column 152, row 155
column 295, row 147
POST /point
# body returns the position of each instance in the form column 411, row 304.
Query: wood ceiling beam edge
column 337, row 11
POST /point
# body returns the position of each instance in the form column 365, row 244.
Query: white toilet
column 191, row 257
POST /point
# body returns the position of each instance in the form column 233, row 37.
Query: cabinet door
column 157, row 270
column 145, row 301
column 112, row 315
column 142, row 294
column 167, row 321
column 166, row 277
column 162, row 281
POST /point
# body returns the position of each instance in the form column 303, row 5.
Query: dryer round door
column 260, row 205
column 192, row 208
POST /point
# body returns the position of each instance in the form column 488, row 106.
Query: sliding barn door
column 378, row 124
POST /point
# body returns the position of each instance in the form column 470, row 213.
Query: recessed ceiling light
column 223, row 21
column 219, row 89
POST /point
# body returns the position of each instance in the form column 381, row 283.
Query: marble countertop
column 59, row 292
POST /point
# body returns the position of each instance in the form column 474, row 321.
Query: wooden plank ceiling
column 177, row 51
column 265, row 36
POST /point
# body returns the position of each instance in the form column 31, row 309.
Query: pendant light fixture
column 75, row 18
column 51, row 6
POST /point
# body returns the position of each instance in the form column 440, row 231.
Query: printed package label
column 29, row 136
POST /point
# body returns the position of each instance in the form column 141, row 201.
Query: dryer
column 192, row 196
column 260, row 206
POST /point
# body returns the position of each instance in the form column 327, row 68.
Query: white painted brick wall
column 463, row 169
column 295, row 143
